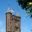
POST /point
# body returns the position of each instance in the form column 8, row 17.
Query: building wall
column 8, row 22
column 12, row 23
column 16, row 24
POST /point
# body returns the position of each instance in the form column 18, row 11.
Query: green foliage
column 26, row 4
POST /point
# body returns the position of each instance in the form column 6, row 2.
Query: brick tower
column 12, row 22
column 17, row 23
column 8, row 22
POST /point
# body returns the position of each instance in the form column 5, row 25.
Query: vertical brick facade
column 12, row 23
column 8, row 22
column 17, row 24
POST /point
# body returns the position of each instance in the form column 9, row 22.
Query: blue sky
column 25, row 19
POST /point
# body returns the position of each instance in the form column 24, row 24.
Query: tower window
column 10, row 22
column 16, row 28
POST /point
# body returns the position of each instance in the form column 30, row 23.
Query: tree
column 26, row 4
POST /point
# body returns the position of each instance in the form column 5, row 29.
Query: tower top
column 10, row 10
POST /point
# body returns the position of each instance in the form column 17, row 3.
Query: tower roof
column 10, row 10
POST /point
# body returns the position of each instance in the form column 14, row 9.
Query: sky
column 25, row 18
